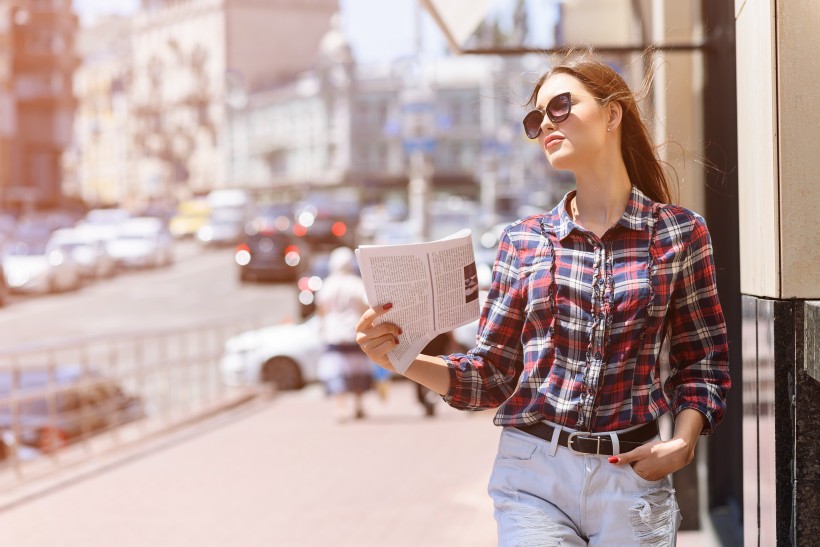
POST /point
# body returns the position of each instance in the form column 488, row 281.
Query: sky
column 378, row 30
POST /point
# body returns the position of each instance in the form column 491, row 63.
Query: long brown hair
column 642, row 163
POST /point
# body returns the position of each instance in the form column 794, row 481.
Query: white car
column 224, row 227
column 39, row 267
column 87, row 250
column 286, row 355
column 142, row 242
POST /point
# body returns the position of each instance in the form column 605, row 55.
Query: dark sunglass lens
column 558, row 108
column 532, row 123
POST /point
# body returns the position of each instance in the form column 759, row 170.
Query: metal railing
column 62, row 404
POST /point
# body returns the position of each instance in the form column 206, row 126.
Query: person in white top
column 340, row 303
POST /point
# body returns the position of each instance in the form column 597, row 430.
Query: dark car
column 268, row 255
column 57, row 407
column 327, row 223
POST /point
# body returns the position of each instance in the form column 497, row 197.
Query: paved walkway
column 285, row 473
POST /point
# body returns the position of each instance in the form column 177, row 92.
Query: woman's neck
column 601, row 197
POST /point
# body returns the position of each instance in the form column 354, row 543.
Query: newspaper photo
column 433, row 287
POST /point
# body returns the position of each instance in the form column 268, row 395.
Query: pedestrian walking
column 344, row 370
column 582, row 299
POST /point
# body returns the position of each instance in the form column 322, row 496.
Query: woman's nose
column 547, row 125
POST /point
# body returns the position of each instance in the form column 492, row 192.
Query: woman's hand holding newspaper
column 377, row 340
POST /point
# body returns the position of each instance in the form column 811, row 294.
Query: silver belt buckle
column 576, row 434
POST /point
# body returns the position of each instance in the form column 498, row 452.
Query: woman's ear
column 614, row 115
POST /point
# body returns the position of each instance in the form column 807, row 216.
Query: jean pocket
column 516, row 445
column 642, row 480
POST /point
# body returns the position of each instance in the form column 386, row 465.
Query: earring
column 609, row 129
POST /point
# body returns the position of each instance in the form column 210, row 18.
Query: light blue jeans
column 546, row 495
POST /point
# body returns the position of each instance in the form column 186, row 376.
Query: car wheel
column 284, row 372
column 51, row 439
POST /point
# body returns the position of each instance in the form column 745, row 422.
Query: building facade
column 191, row 59
column 36, row 100
column 96, row 165
column 351, row 126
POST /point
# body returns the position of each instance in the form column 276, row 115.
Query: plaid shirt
column 573, row 325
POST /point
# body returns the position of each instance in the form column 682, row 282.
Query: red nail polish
column 614, row 459
column 395, row 339
column 401, row 331
column 387, row 306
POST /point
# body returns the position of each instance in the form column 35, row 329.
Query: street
column 201, row 288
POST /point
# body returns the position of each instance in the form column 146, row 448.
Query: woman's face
column 580, row 138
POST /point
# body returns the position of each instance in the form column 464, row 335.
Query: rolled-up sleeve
column 699, row 377
column 486, row 376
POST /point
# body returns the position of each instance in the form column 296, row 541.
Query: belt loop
column 556, row 432
column 616, row 444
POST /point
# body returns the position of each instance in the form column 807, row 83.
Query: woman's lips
column 552, row 141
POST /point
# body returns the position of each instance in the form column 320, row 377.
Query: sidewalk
column 285, row 473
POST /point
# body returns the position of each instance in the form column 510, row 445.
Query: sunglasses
column 557, row 110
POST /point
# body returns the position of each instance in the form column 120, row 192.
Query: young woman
column 569, row 341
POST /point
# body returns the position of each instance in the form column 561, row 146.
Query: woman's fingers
column 381, row 345
column 367, row 318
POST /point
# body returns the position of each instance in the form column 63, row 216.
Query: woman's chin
column 559, row 161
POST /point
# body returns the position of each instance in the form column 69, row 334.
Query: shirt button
column 598, row 355
column 600, row 316
column 600, row 280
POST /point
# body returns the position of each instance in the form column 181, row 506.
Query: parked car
column 87, row 250
column 191, row 215
column 269, row 254
column 286, row 355
column 225, row 226
column 104, row 223
column 36, row 265
column 84, row 402
column 142, row 242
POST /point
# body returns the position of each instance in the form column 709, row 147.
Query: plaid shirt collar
column 636, row 216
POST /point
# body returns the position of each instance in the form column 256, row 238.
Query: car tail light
column 292, row 256
column 338, row 229
column 303, row 283
column 299, row 230
column 243, row 255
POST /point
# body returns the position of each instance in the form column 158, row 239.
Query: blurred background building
column 37, row 63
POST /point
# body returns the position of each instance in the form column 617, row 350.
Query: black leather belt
column 584, row 442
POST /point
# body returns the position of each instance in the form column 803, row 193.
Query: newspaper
column 433, row 288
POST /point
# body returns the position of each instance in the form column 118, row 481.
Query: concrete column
column 777, row 66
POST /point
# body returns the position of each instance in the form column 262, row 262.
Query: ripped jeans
column 546, row 495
